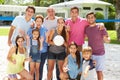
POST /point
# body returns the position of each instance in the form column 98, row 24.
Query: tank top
column 18, row 67
column 73, row 67
column 56, row 49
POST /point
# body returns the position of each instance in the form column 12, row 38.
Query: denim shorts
column 100, row 62
column 35, row 54
column 58, row 56
column 12, row 76
column 36, row 60
column 35, row 57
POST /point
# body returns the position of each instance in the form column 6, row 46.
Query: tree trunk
column 117, row 24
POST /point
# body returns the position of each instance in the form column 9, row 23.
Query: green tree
column 99, row 15
column 2, row 1
column 110, row 1
column 47, row 3
column 36, row 2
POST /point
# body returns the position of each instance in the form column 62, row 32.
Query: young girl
column 42, row 30
column 16, row 58
column 72, row 66
column 35, row 46
column 57, row 52
column 88, row 64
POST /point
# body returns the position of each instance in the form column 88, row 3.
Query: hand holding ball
column 58, row 40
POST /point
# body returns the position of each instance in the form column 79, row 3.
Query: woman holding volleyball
column 57, row 39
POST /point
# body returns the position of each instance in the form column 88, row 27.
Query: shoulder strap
column 30, row 41
column 91, row 64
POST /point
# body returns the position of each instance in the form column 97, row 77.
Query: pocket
column 34, row 50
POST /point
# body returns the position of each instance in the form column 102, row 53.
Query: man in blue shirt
column 20, row 25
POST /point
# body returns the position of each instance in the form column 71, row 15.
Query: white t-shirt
column 91, row 73
column 20, row 24
column 50, row 24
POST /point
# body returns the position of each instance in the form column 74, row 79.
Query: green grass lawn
column 4, row 31
column 112, row 34
column 113, row 37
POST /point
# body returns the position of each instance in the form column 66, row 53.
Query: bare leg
column 32, row 68
column 50, row 68
column 37, row 71
column 64, row 76
column 60, row 64
column 25, row 75
column 13, row 79
column 100, row 75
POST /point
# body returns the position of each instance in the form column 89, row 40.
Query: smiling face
column 74, row 13
column 50, row 12
column 35, row 35
column 91, row 18
column 72, row 49
column 20, row 42
column 60, row 23
column 86, row 55
column 38, row 22
column 29, row 13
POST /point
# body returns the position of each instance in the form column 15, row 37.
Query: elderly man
column 50, row 22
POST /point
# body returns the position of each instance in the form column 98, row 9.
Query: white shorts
column 100, row 62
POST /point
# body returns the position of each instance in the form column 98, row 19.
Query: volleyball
column 58, row 40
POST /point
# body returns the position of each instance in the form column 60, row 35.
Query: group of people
column 32, row 40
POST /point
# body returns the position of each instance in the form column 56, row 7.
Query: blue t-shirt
column 73, row 67
column 20, row 23
column 42, row 31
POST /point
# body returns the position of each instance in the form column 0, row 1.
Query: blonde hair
column 87, row 49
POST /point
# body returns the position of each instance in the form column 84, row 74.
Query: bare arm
column 50, row 37
column 41, row 42
column 9, row 57
column 86, row 71
column 65, row 62
column 65, row 67
column 28, row 58
column 101, row 26
column 67, row 39
column 12, row 28
column 47, row 35
column 106, row 39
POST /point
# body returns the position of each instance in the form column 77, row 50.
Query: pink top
column 77, row 30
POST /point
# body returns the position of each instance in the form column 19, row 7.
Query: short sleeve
column 104, row 32
column 86, row 22
column 15, row 21
column 43, row 31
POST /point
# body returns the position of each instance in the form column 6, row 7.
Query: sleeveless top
column 73, row 67
column 18, row 67
column 56, row 49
